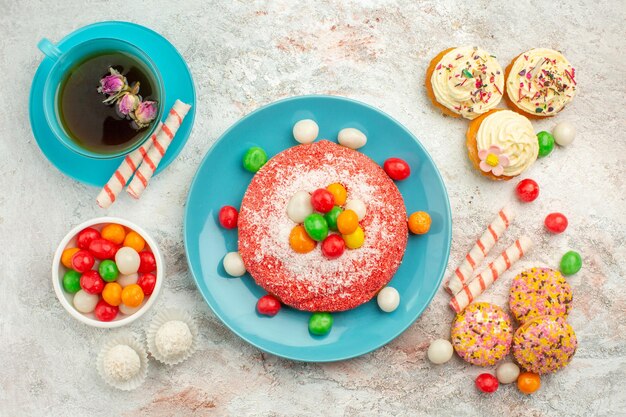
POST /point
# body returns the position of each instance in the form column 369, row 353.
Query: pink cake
column 310, row 281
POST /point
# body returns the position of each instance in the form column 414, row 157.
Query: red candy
column 228, row 216
column 527, row 190
column 556, row 222
column 91, row 282
column 147, row 283
column 82, row 261
column 397, row 169
column 147, row 262
column 103, row 249
column 333, row 246
column 322, row 200
column 268, row 305
column 105, row 311
column 85, row 236
column 487, row 383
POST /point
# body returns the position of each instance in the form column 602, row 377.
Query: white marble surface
column 246, row 54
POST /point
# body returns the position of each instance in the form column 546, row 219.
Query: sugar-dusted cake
column 310, row 281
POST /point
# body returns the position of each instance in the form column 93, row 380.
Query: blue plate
column 221, row 180
column 176, row 79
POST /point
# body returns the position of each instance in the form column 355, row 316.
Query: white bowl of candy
column 107, row 272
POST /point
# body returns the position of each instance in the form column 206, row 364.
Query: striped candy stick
column 464, row 273
column 122, row 174
column 154, row 155
column 490, row 274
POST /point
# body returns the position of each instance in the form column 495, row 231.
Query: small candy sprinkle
column 71, row 281
column 527, row 190
column 528, row 382
column 299, row 206
column 331, row 217
column 132, row 295
column 397, row 169
column 352, row 138
column 268, row 305
column 339, row 192
column 556, row 222
column 355, row 240
column 571, row 263
column 322, row 200
column 233, row 264
column 419, row 222
column 466, row 73
column 546, row 143
column 228, row 217
column 440, row 351
column 300, row 241
column 347, row 222
column 564, row 133
column 358, row 207
column 507, row 373
column 316, row 226
column 108, row 270
column 487, row 383
column 320, row 323
column 333, row 246
column 388, row 299
column 254, row 159
column 305, row 131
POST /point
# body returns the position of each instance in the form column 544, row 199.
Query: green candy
column 316, row 226
column 571, row 263
column 108, row 270
column 331, row 217
column 254, row 159
column 320, row 323
column 71, row 281
column 546, row 143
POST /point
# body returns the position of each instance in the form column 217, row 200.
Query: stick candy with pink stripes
column 123, row 173
column 490, row 274
column 464, row 273
column 162, row 141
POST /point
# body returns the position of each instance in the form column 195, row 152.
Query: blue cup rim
column 51, row 112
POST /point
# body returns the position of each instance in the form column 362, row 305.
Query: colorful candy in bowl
column 107, row 272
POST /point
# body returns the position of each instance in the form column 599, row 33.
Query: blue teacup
column 64, row 60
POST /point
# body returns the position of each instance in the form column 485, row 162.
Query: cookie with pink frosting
column 544, row 344
column 539, row 292
column 482, row 334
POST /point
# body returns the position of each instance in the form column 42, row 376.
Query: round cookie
column 539, row 292
column 544, row 344
column 482, row 334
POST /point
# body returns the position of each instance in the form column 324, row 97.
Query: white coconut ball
column 85, row 302
column 388, row 299
column 440, row 351
column 352, row 138
column 507, row 373
column 305, row 131
column 121, row 363
column 358, row 207
column 233, row 264
column 299, row 206
column 564, row 133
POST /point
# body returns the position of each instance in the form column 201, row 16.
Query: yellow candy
column 112, row 293
column 66, row 256
column 355, row 239
column 132, row 295
column 114, row 233
column 133, row 240
column 339, row 193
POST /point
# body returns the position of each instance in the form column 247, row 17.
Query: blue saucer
column 221, row 180
column 176, row 79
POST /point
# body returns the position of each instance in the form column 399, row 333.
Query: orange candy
column 339, row 193
column 132, row 295
column 419, row 222
column 347, row 222
column 300, row 241
column 114, row 233
column 133, row 240
column 66, row 257
column 528, row 382
column 112, row 293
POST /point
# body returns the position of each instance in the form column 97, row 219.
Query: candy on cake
column 172, row 336
column 123, row 362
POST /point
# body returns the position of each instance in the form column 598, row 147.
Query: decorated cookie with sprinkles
column 466, row 81
column 544, row 344
column 482, row 334
column 539, row 292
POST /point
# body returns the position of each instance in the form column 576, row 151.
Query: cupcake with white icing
column 465, row 82
column 540, row 83
column 501, row 144
column 123, row 362
column 172, row 337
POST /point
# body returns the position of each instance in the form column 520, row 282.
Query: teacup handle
column 49, row 49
